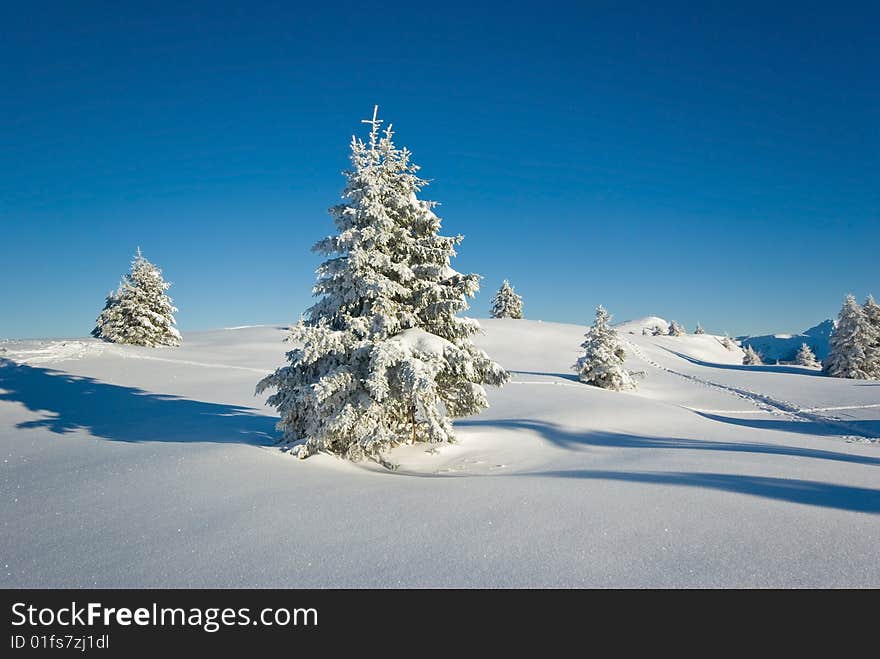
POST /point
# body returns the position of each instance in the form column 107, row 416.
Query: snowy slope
column 125, row 466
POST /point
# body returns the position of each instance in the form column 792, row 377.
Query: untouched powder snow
column 127, row 466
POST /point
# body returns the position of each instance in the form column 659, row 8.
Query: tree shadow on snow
column 572, row 440
column 126, row 414
column 564, row 376
column 869, row 428
column 812, row 493
column 765, row 368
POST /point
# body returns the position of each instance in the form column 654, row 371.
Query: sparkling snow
column 127, row 466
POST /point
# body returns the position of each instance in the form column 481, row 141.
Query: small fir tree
column 727, row 342
column 872, row 352
column 752, row 357
column 139, row 312
column 601, row 365
column 699, row 329
column 675, row 329
column 850, row 344
column 506, row 303
column 806, row 357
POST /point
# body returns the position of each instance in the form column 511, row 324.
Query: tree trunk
column 412, row 413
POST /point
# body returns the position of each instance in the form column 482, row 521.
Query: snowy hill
column 784, row 347
column 637, row 326
column 126, row 466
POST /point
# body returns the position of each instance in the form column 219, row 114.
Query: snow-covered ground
column 125, row 466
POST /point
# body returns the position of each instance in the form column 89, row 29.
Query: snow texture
column 129, row 466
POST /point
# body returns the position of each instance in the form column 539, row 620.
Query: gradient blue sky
column 718, row 163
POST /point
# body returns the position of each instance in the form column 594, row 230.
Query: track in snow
column 768, row 404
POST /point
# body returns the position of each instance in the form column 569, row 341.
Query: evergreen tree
column 872, row 352
column 699, row 329
column 751, row 357
column 727, row 342
column 602, row 362
column 850, row 344
column 383, row 352
column 506, row 303
column 139, row 312
column 675, row 329
column 806, row 357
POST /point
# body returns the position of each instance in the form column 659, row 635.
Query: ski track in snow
column 840, row 407
column 766, row 403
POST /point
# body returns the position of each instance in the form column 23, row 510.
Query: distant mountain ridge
column 784, row 347
column 772, row 347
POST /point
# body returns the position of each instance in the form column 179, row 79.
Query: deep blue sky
column 698, row 162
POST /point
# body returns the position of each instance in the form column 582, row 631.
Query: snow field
column 127, row 466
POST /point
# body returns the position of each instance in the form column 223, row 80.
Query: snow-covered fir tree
column 506, row 303
column 699, row 329
column 751, row 357
column 658, row 330
column 850, row 344
column 727, row 342
column 806, row 357
column 601, row 364
column 139, row 312
column 872, row 352
column 675, row 329
column 384, row 358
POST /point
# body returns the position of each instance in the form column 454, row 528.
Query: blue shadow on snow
column 811, row 493
column 572, row 440
column 766, row 368
column 126, row 414
column 869, row 428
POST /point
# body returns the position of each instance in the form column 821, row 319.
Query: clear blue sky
column 698, row 161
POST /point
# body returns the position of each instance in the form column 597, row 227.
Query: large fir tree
column 384, row 357
column 601, row 365
column 139, row 312
column 850, row 343
column 506, row 303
